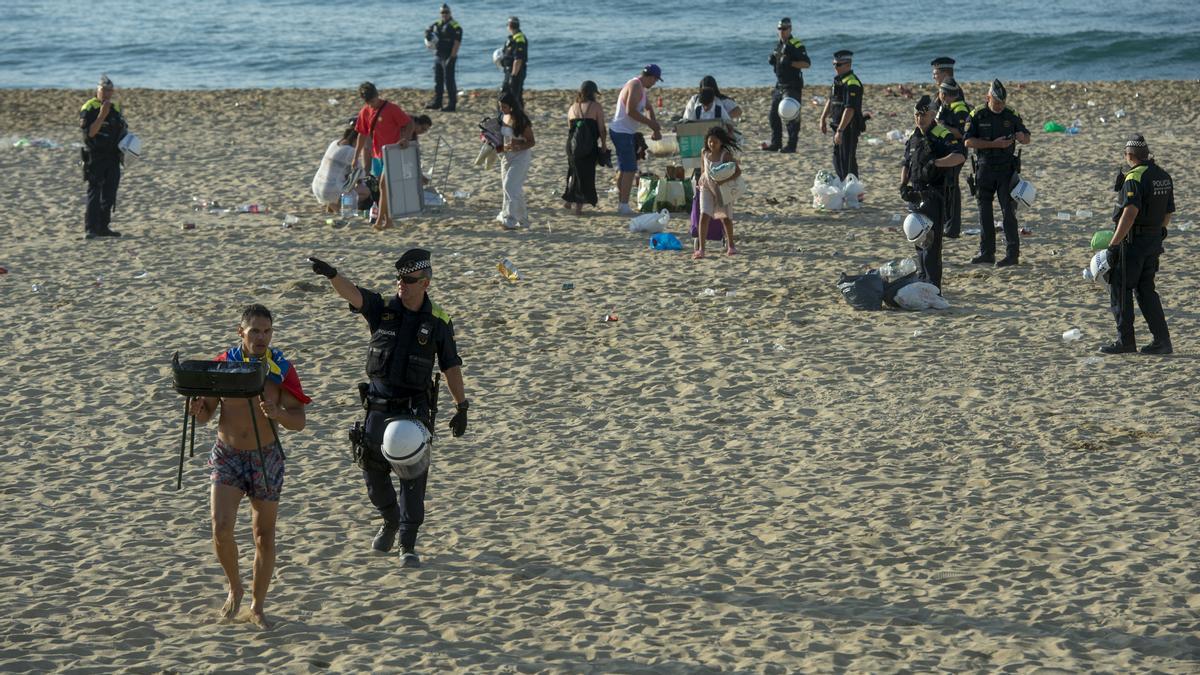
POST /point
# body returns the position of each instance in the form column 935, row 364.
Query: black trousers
column 515, row 84
column 929, row 259
column 1134, row 275
column 954, row 206
column 103, row 177
column 793, row 128
column 406, row 505
column 845, row 154
column 996, row 182
column 443, row 78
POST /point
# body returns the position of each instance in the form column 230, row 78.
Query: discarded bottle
column 349, row 204
column 290, row 220
column 1083, row 213
column 37, row 288
column 252, row 208
column 1119, row 113
column 508, row 271
column 374, row 214
column 1072, row 335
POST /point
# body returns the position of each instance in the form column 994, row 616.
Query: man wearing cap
column 379, row 123
column 953, row 114
column 1145, row 202
column 844, row 111
column 931, row 156
column 103, row 127
column 408, row 332
column 632, row 111
column 446, row 34
column 943, row 69
column 516, row 57
column 992, row 132
column 788, row 59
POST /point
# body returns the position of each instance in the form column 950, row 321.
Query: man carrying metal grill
column 241, row 467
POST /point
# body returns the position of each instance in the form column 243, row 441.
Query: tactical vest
column 838, row 96
column 1156, row 194
column 403, row 359
column 993, row 126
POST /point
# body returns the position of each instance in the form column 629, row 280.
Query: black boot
column 1162, row 347
column 385, row 538
column 1007, row 261
column 1118, row 347
column 983, row 258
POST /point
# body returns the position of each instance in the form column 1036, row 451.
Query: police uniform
column 995, row 177
column 847, row 92
column 101, row 165
column 930, row 188
column 445, row 32
column 515, row 48
column 1149, row 188
column 953, row 116
column 789, row 82
column 400, row 360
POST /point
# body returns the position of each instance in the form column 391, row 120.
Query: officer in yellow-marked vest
column 843, row 112
column 788, row 59
column 953, row 115
column 103, row 128
column 515, row 60
column 1145, row 202
column 445, row 36
column 993, row 131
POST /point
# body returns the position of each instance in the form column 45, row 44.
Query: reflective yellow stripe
column 519, row 37
column 958, row 106
column 1136, row 173
column 852, row 81
column 940, row 131
column 439, row 312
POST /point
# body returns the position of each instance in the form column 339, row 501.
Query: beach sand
column 756, row 478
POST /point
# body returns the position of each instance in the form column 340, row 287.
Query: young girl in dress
column 719, row 147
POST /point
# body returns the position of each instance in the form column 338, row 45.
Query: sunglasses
column 410, row 280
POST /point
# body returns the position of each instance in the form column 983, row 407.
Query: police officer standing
column 788, row 59
column 515, row 60
column 953, row 114
column 408, row 331
column 844, row 111
column 931, row 156
column 103, row 128
column 992, row 132
column 446, row 33
column 1145, row 202
column 943, row 69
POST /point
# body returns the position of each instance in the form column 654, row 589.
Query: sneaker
column 1118, row 347
column 509, row 224
column 409, row 557
column 385, row 538
column 625, row 210
column 981, row 258
column 1007, row 261
column 1162, row 347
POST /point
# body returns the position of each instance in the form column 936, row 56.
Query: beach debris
column 818, row 100
column 3, row 270
column 895, row 135
column 140, row 274
column 253, row 208
column 508, row 271
column 290, row 220
column 43, row 143
column 567, row 286
column 461, row 194
column 1184, row 226
column 187, row 226
column 1083, row 213
column 1119, row 113
column 332, row 101
column 1063, row 215
column 871, row 140
column 99, row 281
column 1091, row 103
column 37, row 288
column 708, row 292
column 778, row 347
column 918, row 332
column 1053, row 127
column 1092, row 361
column 611, row 317
column 1072, row 335
column 1075, row 128
column 1026, row 232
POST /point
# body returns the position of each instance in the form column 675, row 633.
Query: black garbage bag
column 862, row 291
column 890, row 289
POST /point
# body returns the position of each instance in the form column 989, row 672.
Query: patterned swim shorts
column 243, row 469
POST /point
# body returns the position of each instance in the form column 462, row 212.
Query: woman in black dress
column 586, row 139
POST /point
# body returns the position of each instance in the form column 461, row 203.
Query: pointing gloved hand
column 458, row 423
column 323, row 268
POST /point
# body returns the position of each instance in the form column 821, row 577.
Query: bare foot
column 259, row 619
column 232, row 603
column 698, row 254
column 381, row 225
column 731, row 251
column 567, row 205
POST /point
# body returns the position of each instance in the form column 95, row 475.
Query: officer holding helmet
column 992, row 132
column 788, row 59
column 1145, row 202
column 930, row 157
column 844, row 112
column 408, row 332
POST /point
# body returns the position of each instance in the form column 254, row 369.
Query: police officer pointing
column 515, row 60
column 931, row 156
column 844, row 111
column 408, row 332
column 992, row 132
column 1145, row 202
column 788, row 59
column 446, row 33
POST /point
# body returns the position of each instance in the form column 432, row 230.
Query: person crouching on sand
column 238, row 468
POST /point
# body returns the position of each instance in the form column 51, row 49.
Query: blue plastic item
column 665, row 241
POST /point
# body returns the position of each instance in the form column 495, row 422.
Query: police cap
column 842, row 56
column 923, row 104
column 785, row 22
column 514, row 22
column 1136, row 141
column 949, row 86
column 942, row 63
column 413, row 260
column 998, row 91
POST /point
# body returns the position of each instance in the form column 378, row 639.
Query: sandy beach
column 740, row 474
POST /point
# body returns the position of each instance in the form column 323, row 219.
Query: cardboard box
column 690, row 136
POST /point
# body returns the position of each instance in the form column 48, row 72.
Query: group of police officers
column 444, row 37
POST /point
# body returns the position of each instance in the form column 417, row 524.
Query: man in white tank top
column 631, row 111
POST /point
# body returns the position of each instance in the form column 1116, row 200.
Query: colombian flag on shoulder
column 279, row 370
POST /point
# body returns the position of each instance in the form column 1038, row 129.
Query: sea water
column 222, row 44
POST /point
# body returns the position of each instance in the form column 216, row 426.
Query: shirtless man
column 237, row 465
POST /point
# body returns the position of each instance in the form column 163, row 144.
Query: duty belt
column 387, row 405
column 1147, row 229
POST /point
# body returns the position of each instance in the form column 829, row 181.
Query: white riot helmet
column 789, row 109
column 406, row 446
column 917, row 229
column 498, row 57
column 131, row 146
column 1099, row 267
column 1024, row 192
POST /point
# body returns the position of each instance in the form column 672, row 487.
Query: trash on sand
column 708, row 292
column 140, row 274
column 611, row 317
column 1063, row 215
column 187, row 226
column 1083, row 213
column 1072, row 335
column 508, row 271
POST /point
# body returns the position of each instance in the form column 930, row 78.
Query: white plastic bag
column 920, row 295
column 650, row 223
column 487, row 156
column 827, row 197
column 852, row 192
column 732, row 190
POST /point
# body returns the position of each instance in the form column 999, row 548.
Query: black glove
column 323, row 268
column 772, row 59
column 908, row 194
column 1114, row 256
column 458, row 423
